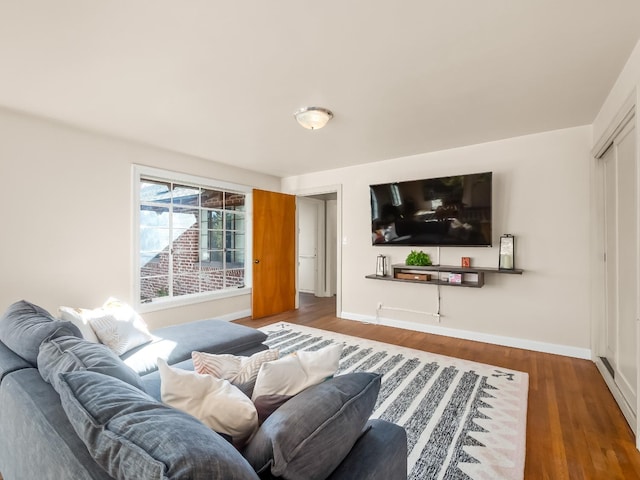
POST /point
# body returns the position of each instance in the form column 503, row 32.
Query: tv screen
column 449, row 211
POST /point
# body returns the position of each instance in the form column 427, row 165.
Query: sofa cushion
column 312, row 433
column 175, row 344
column 381, row 452
column 69, row 354
column 24, row 326
column 214, row 401
column 267, row 404
column 133, row 436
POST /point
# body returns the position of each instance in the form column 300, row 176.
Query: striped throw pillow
column 240, row 371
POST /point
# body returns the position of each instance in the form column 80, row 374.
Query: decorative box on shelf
column 406, row 275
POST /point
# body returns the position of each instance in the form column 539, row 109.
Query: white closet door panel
column 308, row 227
column 626, row 362
column 611, row 268
column 307, row 245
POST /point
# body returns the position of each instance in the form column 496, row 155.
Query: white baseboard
column 229, row 317
column 566, row 350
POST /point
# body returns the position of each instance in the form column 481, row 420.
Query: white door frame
column 337, row 189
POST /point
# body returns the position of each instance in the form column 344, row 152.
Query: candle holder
column 382, row 266
column 507, row 252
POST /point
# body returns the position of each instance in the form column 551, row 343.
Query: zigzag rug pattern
column 464, row 420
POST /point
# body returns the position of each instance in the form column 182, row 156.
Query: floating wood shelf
column 469, row 276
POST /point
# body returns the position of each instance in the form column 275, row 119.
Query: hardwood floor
column 575, row 430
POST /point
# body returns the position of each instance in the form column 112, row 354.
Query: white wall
column 66, row 216
column 541, row 195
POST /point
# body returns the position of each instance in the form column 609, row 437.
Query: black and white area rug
column 464, row 420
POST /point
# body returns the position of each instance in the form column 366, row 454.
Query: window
column 192, row 238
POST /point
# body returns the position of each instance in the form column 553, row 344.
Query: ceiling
column 221, row 79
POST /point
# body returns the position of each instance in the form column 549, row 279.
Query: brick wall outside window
column 184, row 260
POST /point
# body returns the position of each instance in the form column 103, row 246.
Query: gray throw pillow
column 69, row 354
column 310, row 435
column 24, row 326
column 133, row 436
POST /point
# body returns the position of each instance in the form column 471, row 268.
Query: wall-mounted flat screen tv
column 445, row 211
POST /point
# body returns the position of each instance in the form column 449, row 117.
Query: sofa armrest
column 379, row 454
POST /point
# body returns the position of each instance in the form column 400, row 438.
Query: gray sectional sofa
column 72, row 409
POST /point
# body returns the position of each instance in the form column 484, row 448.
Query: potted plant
column 416, row 258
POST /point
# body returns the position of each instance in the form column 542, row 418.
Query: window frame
column 139, row 172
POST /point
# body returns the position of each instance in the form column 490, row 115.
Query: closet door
column 309, row 216
column 611, row 256
column 621, row 246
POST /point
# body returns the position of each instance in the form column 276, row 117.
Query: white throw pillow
column 119, row 327
column 80, row 318
column 213, row 401
column 294, row 373
column 240, row 371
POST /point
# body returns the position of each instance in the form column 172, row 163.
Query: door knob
column 256, row 261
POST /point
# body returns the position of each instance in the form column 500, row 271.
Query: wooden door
column 274, row 253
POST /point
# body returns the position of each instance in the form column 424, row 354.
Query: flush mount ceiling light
column 313, row 118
